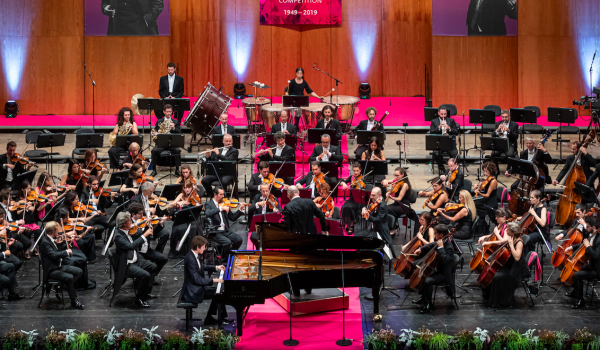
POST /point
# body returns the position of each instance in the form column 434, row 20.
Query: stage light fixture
column 239, row 91
column 364, row 91
column 11, row 108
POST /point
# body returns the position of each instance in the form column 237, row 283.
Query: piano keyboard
column 219, row 285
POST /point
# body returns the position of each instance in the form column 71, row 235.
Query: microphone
column 593, row 58
column 314, row 65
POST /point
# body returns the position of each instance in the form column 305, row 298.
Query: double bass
column 404, row 264
column 565, row 210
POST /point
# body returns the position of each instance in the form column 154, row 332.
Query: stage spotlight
column 239, row 91
column 364, row 91
column 10, row 109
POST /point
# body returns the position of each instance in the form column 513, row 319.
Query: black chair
column 531, row 262
column 81, row 151
column 53, row 284
column 497, row 112
column 212, row 253
column 111, row 256
column 188, row 312
column 591, row 283
column 451, row 108
column 447, row 286
column 167, row 159
column 31, row 138
column 568, row 129
column 533, row 128
column 470, row 241
column 468, row 185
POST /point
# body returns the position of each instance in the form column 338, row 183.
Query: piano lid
column 275, row 236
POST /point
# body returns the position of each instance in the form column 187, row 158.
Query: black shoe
column 150, row 296
column 209, row 320
column 308, row 291
column 15, row 296
column 225, row 322
column 421, row 300
column 76, row 304
column 154, row 173
column 571, row 295
column 580, row 304
column 58, row 296
column 427, row 309
column 141, row 303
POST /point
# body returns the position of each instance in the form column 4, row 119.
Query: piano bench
column 188, row 312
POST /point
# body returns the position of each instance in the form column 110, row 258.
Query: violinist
column 443, row 274
column 368, row 125
column 22, row 241
column 143, row 198
column 591, row 270
column 463, row 217
column 374, row 151
column 501, row 292
column 186, row 174
column 257, row 179
column 24, row 195
column 313, row 179
column 10, row 243
column 280, row 152
column 133, row 157
column 578, row 223
column 376, row 215
column 8, row 271
column 507, row 129
column 351, row 209
column 539, row 213
column 485, row 191
column 53, row 262
column 400, row 197
column 86, row 242
column 9, row 170
column 262, row 203
column 93, row 164
column 425, row 237
column 173, row 128
column 437, row 196
column 220, row 215
column 324, row 192
column 137, row 212
column 454, row 180
column 74, row 179
column 326, row 152
column 586, row 161
column 542, row 158
column 228, row 153
column 45, row 187
column 125, row 126
column 188, row 198
column 92, row 195
column 130, row 184
column 444, row 125
column 502, row 216
column 329, row 121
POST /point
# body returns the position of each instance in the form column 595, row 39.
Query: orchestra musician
column 299, row 213
column 170, row 86
column 66, row 214
column 502, row 215
column 92, row 163
column 401, row 198
column 443, row 274
column 137, row 212
column 281, row 152
column 125, row 126
column 440, row 200
column 425, row 219
column 130, row 262
column 324, row 191
column 188, row 198
column 22, row 241
column 53, row 260
column 464, row 217
column 10, row 243
column 261, row 204
column 326, row 152
column 9, row 170
column 220, row 216
column 143, row 197
column 367, row 125
column 586, row 161
column 28, row 214
column 133, row 157
column 486, row 189
column 539, row 212
column 75, row 177
column 297, row 86
column 197, row 287
column 186, row 174
column 501, row 292
column 228, row 153
column 174, row 128
column 578, row 223
column 541, row 159
column 45, row 187
column 313, row 179
column 223, row 128
column 257, row 179
column 130, row 184
column 377, row 219
column 507, row 129
column 351, row 209
column 329, row 122
column 91, row 196
column 444, row 125
column 591, row 270
column 8, row 271
column 454, row 180
column 375, row 151
column 284, row 126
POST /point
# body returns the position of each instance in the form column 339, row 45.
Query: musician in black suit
column 220, row 216
column 8, row 271
column 486, row 17
column 367, row 125
column 444, row 125
column 542, row 158
column 99, row 204
column 137, row 212
column 329, row 122
column 228, row 153
column 326, row 152
column 586, row 161
column 160, row 234
column 507, row 128
column 223, row 128
column 52, row 263
column 284, row 126
column 175, row 129
column 197, row 287
column 130, row 262
column 453, row 187
column 591, row 270
column 9, row 170
column 299, row 213
column 307, row 181
column 579, row 223
column 22, row 242
column 170, row 86
column 259, row 206
column 131, row 18
column 443, row 274
column 281, row 151
column 257, row 179
column 377, row 220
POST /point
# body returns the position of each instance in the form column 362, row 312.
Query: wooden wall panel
column 287, row 55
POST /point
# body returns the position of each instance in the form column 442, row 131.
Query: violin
column 17, row 206
column 372, row 207
column 453, row 175
column 319, row 180
column 96, row 165
column 575, row 263
column 433, row 198
column 358, row 183
column 17, row 158
column 275, row 182
column 144, row 178
column 154, row 199
column 81, row 175
column 10, row 226
column 397, row 185
column 483, row 185
column 480, row 258
column 102, row 192
column 327, row 204
column 404, row 264
column 143, row 223
column 272, row 201
column 429, row 263
column 86, row 209
column 139, row 159
column 77, row 226
column 454, row 207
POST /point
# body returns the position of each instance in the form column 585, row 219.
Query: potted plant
column 98, row 340
column 517, row 341
column 175, row 341
column 382, row 340
column 18, row 340
column 581, row 339
column 423, row 338
column 197, row 338
column 55, row 340
column 467, row 340
column 406, row 339
column 216, row 339
column 549, row 340
column 500, row 339
column 130, row 340
column 440, row 341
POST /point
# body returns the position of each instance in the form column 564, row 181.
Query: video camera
column 589, row 102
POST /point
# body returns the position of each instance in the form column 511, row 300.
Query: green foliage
column 465, row 338
column 55, row 340
column 98, row 339
column 175, row 341
column 582, row 336
column 83, row 341
column 551, row 340
column 382, row 339
column 440, row 341
column 14, row 339
column 516, row 341
column 130, row 340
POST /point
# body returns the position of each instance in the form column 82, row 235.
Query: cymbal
column 260, row 86
column 134, row 105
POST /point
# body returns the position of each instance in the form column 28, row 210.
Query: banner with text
column 301, row 12
column 475, row 17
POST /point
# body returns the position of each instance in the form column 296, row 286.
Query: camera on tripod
column 589, row 102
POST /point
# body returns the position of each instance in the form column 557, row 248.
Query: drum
column 347, row 106
column 312, row 113
column 252, row 107
column 207, row 110
column 270, row 114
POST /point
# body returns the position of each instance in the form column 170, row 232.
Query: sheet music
column 109, row 240
column 37, row 240
column 184, row 237
column 219, row 285
column 386, row 249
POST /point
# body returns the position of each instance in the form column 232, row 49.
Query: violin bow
column 331, row 192
column 274, row 177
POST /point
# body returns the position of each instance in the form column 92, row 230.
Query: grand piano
column 310, row 261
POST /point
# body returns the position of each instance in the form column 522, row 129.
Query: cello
column 497, row 262
column 404, row 264
column 478, row 261
column 573, row 236
column 574, row 264
column 565, row 210
column 430, row 262
column 528, row 223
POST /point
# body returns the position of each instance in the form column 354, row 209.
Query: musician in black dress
column 350, row 209
column 591, row 270
column 454, row 180
column 507, row 129
column 227, row 153
column 444, row 125
column 297, row 86
column 368, row 125
column 125, row 123
column 284, row 126
column 540, row 213
column 443, row 274
column 29, row 216
column 175, row 128
column 439, row 200
column 462, row 220
column 329, row 121
column 73, row 179
column 586, row 161
column 133, row 157
column 427, row 237
column 501, row 292
column 183, row 201
column 9, row 170
column 279, row 152
column 130, row 186
column 400, row 199
column 486, row 192
column 542, row 158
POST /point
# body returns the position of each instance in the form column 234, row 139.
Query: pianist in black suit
column 280, row 152
column 299, row 213
column 224, row 127
column 329, row 122
column 259, row 206
column 542, row 158
column 197, row 287
column 170, row 86
column 367, row 125
column 586, row 161
column 377, row 220
column 307, row 181
column 284, row 126
column 227, row 153
column 444, row 125
column 174, row 129
column 508, row 129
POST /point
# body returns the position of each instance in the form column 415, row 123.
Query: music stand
column 170, row 192
column 295, row 101
column 331, row 168
column 561, row 115
column 287, row 170
column 167, row 142
column 314, row 135
column 363, row 137
column 375, row 167
column 268, row 217
column 290, row 140
column 431, row 113
column 123, row 141
column 303, row 192
column 89, row 140
column 220, row 168
column 333, row 227
column 28, row 175
column 186, row 216
column 522, row 115
column 525, row 168
column 481, row 116
column 118, row 209
column 494, row 144
column 51, row 140
column 360, row 196
column 217, row 141
column 50, row 214
column 588, row 195
column 117, row 178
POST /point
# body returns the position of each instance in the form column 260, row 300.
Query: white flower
column 30, row 336
column 112, row 336
column 198, row 336
column 149, row 337
column 69, row 335
column 482, row 334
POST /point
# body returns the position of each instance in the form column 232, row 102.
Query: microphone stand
column 93, row 96
column 291, row 341
column 337, row 82
column 591, row 73
column 343, row 341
